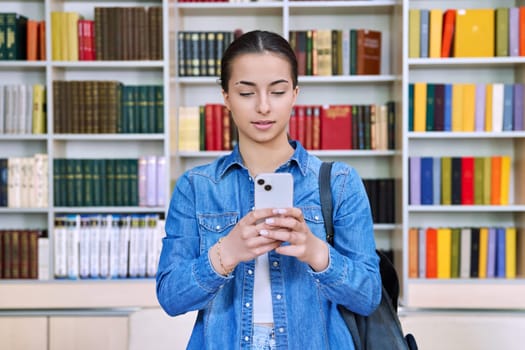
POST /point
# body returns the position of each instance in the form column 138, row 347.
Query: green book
column 455, row 248
column 88, row 170
column 143, row 110
column 159, row 108
column 3, row 48
column 410, row 107
column 478, row 180
column 127, row 112
column 152, row 108
column 446, row 180
column 110, row 182
column 59, row 181
column 202, row 128
column 430, row 107
column 70, row 182
column 353, row 51
column 487, row 178
column 502, row 31
column 133, row 182
column 309, row 50
column 78, row 182
column 99, row 188
column 16, row 36
column 122, row 182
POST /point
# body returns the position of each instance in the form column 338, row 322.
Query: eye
column 278, row 92
column 245, row 93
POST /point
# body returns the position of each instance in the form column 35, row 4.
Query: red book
column 431, row 254
column 42, row 40
column 292, row 125
column 89, row 32
column 316, row 127
column 208, row 127
column 301, row 124
column 495, row 187
column 449, row 23
column 217, row 127
column 467, row 180
column 336, row 127
column 309, row 127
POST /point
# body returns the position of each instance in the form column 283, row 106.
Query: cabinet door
column 86, row 333
column 14, row 333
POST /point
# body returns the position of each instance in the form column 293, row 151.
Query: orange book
column 32, row 40
column 435, row 33
column 495, row 185
column 449, row 22
column 42, row 40
column 505, row 180
column 431, row 253
column 521, row 28
column 488, row 107
column 413, row 252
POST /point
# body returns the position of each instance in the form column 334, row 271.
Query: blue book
column 436, row 179
column 518, row 107
column 491, row 253
column 508, row 101
column 479, row 114
column 427, row 184
column 500, row 252
column 424, row 30
column 447, row 119
column 415, row 180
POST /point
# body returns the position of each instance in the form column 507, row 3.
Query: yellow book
column 56, row 42
column 469, row 106
column 189, row 128
column 457, row 107
column 72, row 36
column 323, row 44
column 446, row 180
column 436, row 27
column 510, row 252
column 488, row 107
column 38, row 113
column 414, row 19
column 474, row 33
column 444, row 252
column 483, row 251
column 420, row 106
column 505, row 180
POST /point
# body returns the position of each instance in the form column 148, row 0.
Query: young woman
column 266, row 278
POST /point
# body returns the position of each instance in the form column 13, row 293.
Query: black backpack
column 382, row 329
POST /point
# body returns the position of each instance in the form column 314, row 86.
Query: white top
column 262, row 294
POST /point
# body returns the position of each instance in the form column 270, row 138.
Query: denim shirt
column 207, row 203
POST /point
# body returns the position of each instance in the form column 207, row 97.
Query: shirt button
column 218, row 227
column 246, row 338
column 247, row 304
column 275, row 264
column 281, row 330
column 278, row 296
column 316, row 217
column 250, row 272
column 253, row 208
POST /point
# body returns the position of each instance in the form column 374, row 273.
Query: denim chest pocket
column 314, row 219
column 213, row 226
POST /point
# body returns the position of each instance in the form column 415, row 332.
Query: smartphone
column 273, row 190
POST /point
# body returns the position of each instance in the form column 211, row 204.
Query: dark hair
column 257, row 41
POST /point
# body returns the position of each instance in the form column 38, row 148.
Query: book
column 456, row 179
column 474, row 33
column 465, row 252
column 432, row 252
column 413, row 252
column 500, row 253
column 444, row 252
column 368, row 52
column 502, row 31
column 474, row 252
column 449, row 24
column 420, row 106
column 435, row 32
column 469, row 107
column 427, row 182
column 424, row 23
column 414, row 19
column 467, row 180
column 510, row 252
column 483, row 252
column 446, row 180
column 415, row 180
column 455, row 251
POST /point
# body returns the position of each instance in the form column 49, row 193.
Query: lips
column 263, row 124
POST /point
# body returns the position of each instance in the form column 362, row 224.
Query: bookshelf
column 53, row 293
column 463, row 293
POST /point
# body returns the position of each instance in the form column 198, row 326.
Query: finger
column 259, row 214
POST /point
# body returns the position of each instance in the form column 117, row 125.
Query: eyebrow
column 250, row 83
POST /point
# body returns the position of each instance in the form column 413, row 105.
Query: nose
column 263, row 105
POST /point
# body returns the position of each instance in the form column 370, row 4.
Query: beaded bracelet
column 224, row 269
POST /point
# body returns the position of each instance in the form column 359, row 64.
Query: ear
column 226, row 98
column 295, row 93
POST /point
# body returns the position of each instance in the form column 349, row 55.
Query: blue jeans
column 263, row 338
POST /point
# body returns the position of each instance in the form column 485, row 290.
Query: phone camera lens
column 260, row 182
column 268, row 187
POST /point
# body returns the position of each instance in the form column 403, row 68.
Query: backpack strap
column 325, row 193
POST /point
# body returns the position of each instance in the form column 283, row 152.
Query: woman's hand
column 288, row 225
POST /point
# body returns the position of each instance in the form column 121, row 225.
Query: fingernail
column 269, row 221
column 279, row 211
column 263, row 232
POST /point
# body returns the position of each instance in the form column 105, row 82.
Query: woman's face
column 260, row 96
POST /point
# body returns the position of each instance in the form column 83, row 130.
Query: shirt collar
column 234, row 159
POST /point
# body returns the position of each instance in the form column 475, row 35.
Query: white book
column 141, row 247
column 26, row 168
column 60, row 247
column 134, row 233
column 9, row 101
column 39, row 194
column 152, row 243
column 84, row 253
column 422, row 252
column 151, row 181
column 161, row 175
column 2, row 109
column 29, row 110
column 43, row 258
column 497, row 106
column 94, row 246
column 73, row 253
column 464, row 254
column 14, row 182
column 105, row 234
column 142, row 163
column 346, row 51
column 123, row 246
column 114, row 245
column 20, row 115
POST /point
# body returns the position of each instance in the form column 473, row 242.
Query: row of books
column 344, row 126
column 21, row 38
column 24, row 254
column 466, row 107
column 381, row 195
column 24, row 181
column 107, row 246
column 465, row 252
column 337, row 52
column 116, row 33
column 199, row 53
column 480, row 32
column 107, row 107
column 22, row 109
column 463, row 180
column 110, row 182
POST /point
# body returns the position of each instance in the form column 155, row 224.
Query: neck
column 260, row 158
